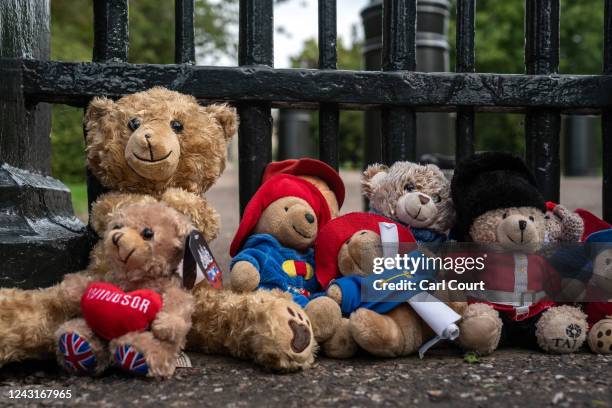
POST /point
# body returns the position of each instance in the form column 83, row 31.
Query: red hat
column 592, row 223
column 308, row 167
column 278, row 186
column 331, row 238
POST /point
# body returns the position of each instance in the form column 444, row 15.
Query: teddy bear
column 272, row 248
column 156, row 145
column 320, row 174
column 562, row 225
column 498, row 204
column 412, row 194
column 344, row 253
column 593, row 271
column 138, row 316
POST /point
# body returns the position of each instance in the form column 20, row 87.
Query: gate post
column 40, row 238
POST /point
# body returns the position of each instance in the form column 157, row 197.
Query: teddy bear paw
column 76, row 354
column 130, row 360
column 480, row 329
column 325, row 315
column 600, row 337
column 561, row 330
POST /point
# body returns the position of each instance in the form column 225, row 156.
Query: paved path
column 509, row 378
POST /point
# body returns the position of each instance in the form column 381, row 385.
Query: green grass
column 79, row 199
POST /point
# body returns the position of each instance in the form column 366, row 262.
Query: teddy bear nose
column 116, row 237
column 147, row 136
column 309, row 217
column 423, row 199
column 522, row 224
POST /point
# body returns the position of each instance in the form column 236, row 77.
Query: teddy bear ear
column 371, row 177
column 433, row 167
column 226, row 116
column 98, row 107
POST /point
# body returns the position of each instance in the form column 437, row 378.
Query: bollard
column 40, row 238
column 435, row 131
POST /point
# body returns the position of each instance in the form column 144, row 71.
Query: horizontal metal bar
column 73, row 83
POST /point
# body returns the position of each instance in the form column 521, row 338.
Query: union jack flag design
column 131, row 360
column 77, row 352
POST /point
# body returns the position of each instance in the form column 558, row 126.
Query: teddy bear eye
column 147, row 233
column 505, row 215
column 176, row 126
column 608, row 261
column 117, row 226
column 436, row 198
column 531, row 218
column 408, row 187
column 134, row 124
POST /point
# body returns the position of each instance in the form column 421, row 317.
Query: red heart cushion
column 111, row 313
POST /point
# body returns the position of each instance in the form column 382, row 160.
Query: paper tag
column 198, row 263
column 183, row 360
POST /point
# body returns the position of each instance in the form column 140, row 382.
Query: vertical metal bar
column 606, row 118
column 110, row 44
column 465, row 62
column 398, row 124
column 542, row 126
column 255, row 131
column 110, row 30
column 184, row 32
column 328, row 114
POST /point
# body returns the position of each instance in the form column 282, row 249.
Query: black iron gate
column 255, row 86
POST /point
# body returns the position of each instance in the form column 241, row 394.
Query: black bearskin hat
column 489, row 181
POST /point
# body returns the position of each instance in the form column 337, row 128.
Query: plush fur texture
column 398, row 333
column 413, row 194
column 563, row 225
column 144, row 245
column 265, row 326
column 497, row 197
column 284, row 219
column 489, row 181
column 29, row 319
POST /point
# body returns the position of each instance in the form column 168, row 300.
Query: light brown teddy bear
column 150, row 146
column 498, row 204
column 412, row 194
column 344, row 251
column 138, row 316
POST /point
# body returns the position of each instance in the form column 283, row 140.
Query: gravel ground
column 509, row 378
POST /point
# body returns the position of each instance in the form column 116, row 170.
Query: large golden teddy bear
column 160, row 145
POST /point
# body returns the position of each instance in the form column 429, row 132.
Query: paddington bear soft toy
column 344, row 254
column 498, row 204
column 272, row 248
column 320, row 174
column 414, row 195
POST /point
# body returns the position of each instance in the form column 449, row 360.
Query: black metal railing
column 255, row 86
